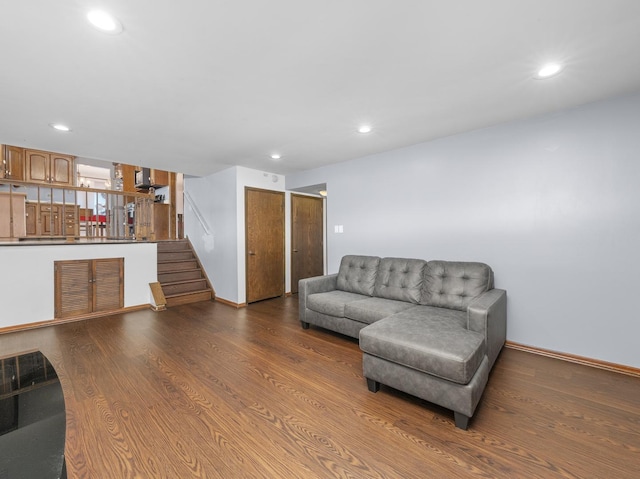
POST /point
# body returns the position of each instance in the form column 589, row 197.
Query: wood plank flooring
column 208, row 391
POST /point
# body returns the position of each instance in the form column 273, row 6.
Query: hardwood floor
column 205, row 390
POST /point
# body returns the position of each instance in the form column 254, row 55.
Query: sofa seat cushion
column 332, row 302
column 371, row 310
column 431, row 343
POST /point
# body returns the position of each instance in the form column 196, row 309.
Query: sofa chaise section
column 432, row 329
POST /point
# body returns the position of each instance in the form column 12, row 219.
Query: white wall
column 551, row 203
column 220, row 199
column 215, row 198
column 27, row 279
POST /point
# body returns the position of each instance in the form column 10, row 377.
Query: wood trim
column 572, row 358
column 158, row 297
column 52, row 322
column 230, row 303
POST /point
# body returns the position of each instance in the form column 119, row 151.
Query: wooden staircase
column 181, row 275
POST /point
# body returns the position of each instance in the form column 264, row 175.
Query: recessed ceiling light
column 275, row 156
column 104, row 22
column 364, row 129
column 549, row 70
column 59, row 127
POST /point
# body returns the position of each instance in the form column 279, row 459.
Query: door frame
column 292, row 233
column 246, row 239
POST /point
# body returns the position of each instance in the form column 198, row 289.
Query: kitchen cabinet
column 46, row 219
column 50, row 168
column 159, row 178
column 70, row 220
column 88, row 286
column 12, row 158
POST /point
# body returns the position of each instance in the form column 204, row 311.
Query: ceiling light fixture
column 364, row 129
column 104, row 22
column 275, row 156
column 549, row 70
column 59, row 127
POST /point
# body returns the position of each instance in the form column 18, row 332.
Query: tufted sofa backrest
column 453, row 285
column 400, row 279
column 357, row 274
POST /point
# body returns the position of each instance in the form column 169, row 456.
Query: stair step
column 184, row 286
column 193, row 297
column 170, row 266
column 183, row 275
column 179, row 274
column 164, row 256
column 164, row 246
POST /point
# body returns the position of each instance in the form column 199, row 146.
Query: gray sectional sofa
column 432, row 329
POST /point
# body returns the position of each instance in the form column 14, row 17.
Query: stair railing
column 196, row 212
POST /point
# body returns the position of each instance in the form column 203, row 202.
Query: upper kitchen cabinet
column 12, row 159
column 159, row 177
column 46, row 167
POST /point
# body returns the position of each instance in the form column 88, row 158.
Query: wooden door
column 61, row 169
column 108, row 284
column 31, row 213
column 50, row 220
column 14, row 158
column 159, row 177
column 264, row 227
column 73, row 288
column 307, row 233
column 37, row 166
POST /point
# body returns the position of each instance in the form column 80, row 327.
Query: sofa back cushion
column 400, row 279
column 454, row 285
column 357, row 274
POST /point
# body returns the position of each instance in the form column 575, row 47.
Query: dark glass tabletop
column 32, row 419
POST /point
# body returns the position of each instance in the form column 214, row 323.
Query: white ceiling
column 199, row 85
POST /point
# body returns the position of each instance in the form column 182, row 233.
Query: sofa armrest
column 488, row 314
column 317, row 284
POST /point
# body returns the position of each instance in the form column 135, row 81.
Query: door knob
column 251, row 253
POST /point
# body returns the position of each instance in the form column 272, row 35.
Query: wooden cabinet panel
column 73, row 288
column 159, row 178
column 31, row 217
column 37, row 166
column 45, row 167
column 61, row 169
column 71, row 220
column 128, row 178
column 50, row 220
column 108, row 284
column 12, row 207
column 160, row 221
column 13, row 162
column 88, row 286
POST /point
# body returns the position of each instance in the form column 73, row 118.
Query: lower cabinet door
column 88, row 286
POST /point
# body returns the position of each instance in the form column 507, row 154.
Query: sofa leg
column 462, row 421
column 304, row 325
column 373, row 385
